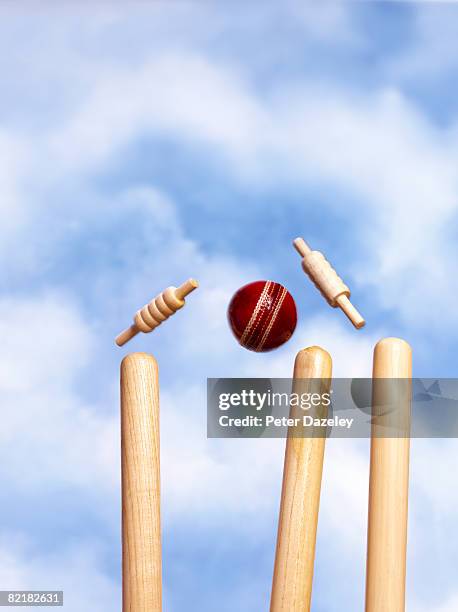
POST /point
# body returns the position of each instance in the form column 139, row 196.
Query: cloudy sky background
column 142, row 143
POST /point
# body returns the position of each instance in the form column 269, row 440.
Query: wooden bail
column 158, row 310
column 327, row 281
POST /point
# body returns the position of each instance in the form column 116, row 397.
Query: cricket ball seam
column 278, row 306
column 255, row 320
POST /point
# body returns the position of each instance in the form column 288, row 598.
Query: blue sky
column 142, row 144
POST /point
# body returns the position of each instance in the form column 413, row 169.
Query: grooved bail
column 158, row 310
column 327, row 281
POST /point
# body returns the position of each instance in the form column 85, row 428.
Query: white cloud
column 61, row 342
column 50, row 437
column 76, row 572
column 187, row 98
column 377, row 147
column 404, row 172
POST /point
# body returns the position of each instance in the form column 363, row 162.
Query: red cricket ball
column 262, row 315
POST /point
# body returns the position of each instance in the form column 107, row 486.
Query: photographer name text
column 271, row 421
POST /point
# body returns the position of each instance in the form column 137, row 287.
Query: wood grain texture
column 157, row 311
column 141, row 524
column 300, row 498
column 389, row 484
column 327, row 281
